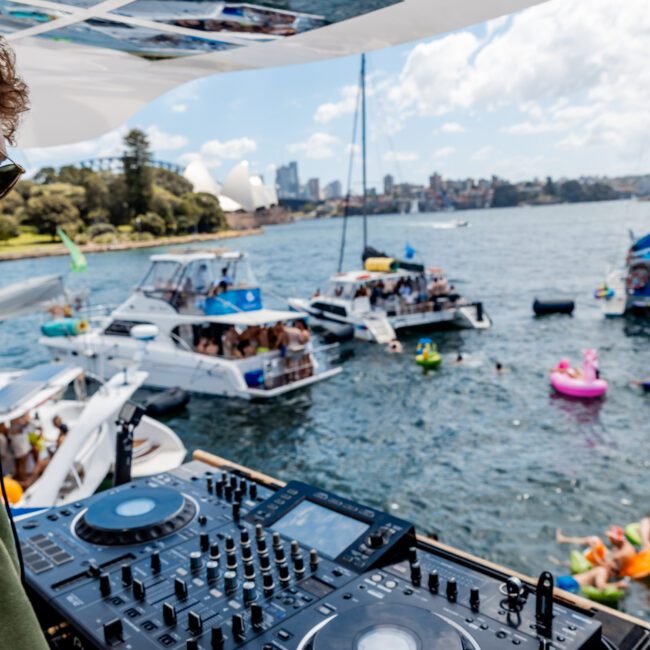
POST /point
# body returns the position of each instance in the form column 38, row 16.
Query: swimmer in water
column 395, row 347
column 459, row 359
column 499, row 369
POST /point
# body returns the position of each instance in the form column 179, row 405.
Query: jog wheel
column 135, row 516
column 383, row 627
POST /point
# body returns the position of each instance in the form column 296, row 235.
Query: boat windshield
column 161, row 276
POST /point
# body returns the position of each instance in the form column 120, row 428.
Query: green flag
column 78, row 261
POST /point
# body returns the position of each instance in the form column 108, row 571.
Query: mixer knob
column 416, row 574
column 299, row 566
column 267, row 583
column 230, row 581
column 105, row 584
column 113, row 632
column 238, row 627
column 212, row 570
column 218, row 489
column 261, row 545
column 227, row 492
column 214, row 551
column 202, row 519
column 247, row 553
column 237, row 496
column 452, row 590
column 195, row 561
column 249, row 571
column 180, row 588
column 277, row 540
column 191, row 644
column 216, row 638
column 283, row 571
column 233, row 481
column 231, row 561
column 313, row 559
column 204, row 542
column 93, row 570
column 514, row 591
column 244, row 537
column 375, row 540
column 155, row 562
column 195, row 623
column 279, row 554
column 224, row 477
column 295, row 548
column 434, row 581
column 243, row 486
column 209, row 484
column 139, row 590
column 474, row 598
column 413, row 554
column 259, row 532
column 230, row 544
column 253, row 491
column 169, row 614
column 236, row 510
column 127, row 575
column 265, row 562
column 249, row 592
column 257, row 616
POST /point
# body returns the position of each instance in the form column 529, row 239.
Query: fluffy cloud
column 452, row 127
column 163, row 141
column 317, row 147
column 401, row 156
column 179, row 108
column 332, row 110
column 483, row 153
column 214, row 152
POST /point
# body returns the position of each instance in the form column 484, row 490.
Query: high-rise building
column 313, row 189
column 333, row 190
column 435, row 182
column 389, row 184
column 287, row 181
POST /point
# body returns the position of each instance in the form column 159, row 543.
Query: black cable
column 19, row 551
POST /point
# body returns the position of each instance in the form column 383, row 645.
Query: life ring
column 637, row 279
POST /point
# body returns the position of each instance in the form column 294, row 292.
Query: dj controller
column 209, row 558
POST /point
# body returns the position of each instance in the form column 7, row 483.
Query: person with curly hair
column 19, row 627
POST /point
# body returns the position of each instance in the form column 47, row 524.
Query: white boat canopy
column 91, row 64
column 254, row 318
column 27, row 296
column 28, row 390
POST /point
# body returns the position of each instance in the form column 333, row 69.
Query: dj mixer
column 217, row 558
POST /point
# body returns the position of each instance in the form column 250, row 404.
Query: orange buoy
column 13, row 489
column 637, row 567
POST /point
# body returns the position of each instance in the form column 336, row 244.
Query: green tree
column 150, row 222
column 8, row 227
column 117, row 204
column 47, row 211
column 572, row 192
column 171, row 181
column 165, row 204
column 13, row 204
column 601, row 192
column 138, row 176
column 211, row 218
column 46, row 175
column 188, row 214
column 505, row 196
column 549, row 187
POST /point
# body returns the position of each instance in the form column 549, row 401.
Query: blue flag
column 409, row 252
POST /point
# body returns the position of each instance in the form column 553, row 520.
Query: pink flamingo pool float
column 577, row 382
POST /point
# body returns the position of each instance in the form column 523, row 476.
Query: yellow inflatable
column 13, row 489
column 381, row 264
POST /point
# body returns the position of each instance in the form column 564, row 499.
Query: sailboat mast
column 363, row 149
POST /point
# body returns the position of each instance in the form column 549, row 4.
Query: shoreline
column 58, row 250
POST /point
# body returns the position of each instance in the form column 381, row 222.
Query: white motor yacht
column 375, row 305
column 76, row 463
column 204, row 306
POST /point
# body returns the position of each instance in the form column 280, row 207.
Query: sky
column 560, row 89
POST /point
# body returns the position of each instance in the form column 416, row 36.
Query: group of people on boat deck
column 293, row 341
column 412, row 291
column 23, row 448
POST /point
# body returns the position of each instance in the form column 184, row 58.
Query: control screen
column 327, row 531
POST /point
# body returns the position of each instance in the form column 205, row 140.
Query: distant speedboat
column 76, row 465
column 194, row 299
column 628, row 288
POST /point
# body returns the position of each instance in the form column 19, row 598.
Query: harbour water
column 492, row 463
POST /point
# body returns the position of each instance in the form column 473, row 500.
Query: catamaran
column 208, row 332
column 386, row 295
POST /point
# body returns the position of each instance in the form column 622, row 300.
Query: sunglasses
column 10, row 173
